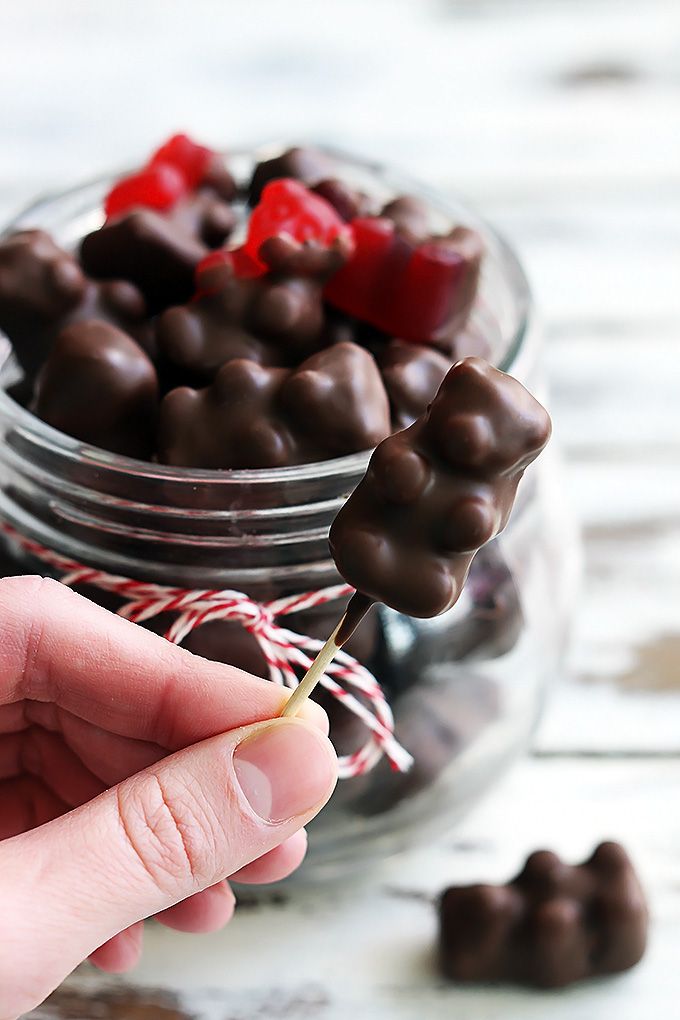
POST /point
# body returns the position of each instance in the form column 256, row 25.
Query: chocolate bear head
column 99, row 386
column 552, row 925
column 253, row 416
column 438, row 491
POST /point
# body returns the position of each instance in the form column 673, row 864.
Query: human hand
column 134, row 778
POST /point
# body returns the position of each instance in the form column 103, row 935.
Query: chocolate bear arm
column 99, row 386
column 304, row 164
column 148, row 249
column 412, row 374
column 434, row 493
column 566, row 924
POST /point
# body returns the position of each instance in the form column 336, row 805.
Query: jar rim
column 72, row 450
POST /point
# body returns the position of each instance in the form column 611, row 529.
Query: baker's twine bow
column 283, row 649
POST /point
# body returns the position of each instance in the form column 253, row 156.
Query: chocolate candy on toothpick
column 432, row 496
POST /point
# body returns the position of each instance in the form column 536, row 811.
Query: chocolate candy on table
column 151, row 250
column 251, row 416
column 304, row 164
column 412, row 374
column 550, row 926
column 99, row 386
column 275, row 319
column 43, row 289
column 438, row 491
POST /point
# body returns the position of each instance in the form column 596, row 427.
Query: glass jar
column 466, row 688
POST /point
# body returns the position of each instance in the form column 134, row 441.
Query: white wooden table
column 561, row 121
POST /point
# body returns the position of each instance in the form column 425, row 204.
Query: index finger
column 60, row 647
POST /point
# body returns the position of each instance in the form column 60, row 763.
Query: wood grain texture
column 561, row 120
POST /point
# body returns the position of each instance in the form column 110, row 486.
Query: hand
column 134, row 777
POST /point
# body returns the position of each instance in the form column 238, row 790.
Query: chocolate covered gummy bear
column 438, row 491
column 550, row 926
column 274, row 319
column 254, row 416
column 43, row 289
column 99, row 386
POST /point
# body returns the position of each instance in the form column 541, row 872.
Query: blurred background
column 560, row 121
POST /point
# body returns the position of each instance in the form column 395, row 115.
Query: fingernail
column 285, row 769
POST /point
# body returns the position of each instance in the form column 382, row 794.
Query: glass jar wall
column 466, row 688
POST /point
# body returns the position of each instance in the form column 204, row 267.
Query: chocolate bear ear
column 542, row 867
column 399, row 472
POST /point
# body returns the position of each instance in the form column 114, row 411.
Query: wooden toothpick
column 311, row 678
column 357, row 608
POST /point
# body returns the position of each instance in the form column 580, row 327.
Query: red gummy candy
column 411, row 292
column 190, row 159
column 288, row 207
column 156, row 187
column 367, row 284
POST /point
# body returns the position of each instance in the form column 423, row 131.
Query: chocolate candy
column 347, row 201
column 43, row 289
column 149, row 249
column 205, row 216
column 99, row 386
column 438, row 491
column 552, row 925
column 304, row 164
column 253, row 416
column 411, row 217
column 276, row 319
column 412, row 374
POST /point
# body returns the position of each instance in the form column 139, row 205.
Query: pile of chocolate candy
column 328, row 327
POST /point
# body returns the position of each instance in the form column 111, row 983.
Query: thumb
column 168, row 832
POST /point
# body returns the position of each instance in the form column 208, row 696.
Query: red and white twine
column 285, row 650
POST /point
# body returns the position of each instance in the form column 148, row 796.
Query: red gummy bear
column 415, row 292
column 190, row 159
column 174, row 169
column 155, row 187
column 288, row 207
